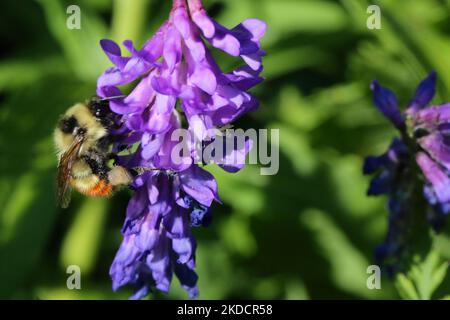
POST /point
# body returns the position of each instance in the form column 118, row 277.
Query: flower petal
column 200, row 185
column 386, row 102
column 434, row 174
column 113, row 52
column 424, row 93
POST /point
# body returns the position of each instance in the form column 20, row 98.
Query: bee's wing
column 65, row 165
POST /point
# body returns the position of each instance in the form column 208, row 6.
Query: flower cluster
column 178, row 82
column 419, row 160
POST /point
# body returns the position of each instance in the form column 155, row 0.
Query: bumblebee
column 82, row 139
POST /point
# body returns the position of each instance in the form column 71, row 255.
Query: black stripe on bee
column 68, row 124
column 97, row 163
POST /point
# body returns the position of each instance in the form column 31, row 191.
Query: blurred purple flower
column 393, row 178
column 420, row 158
column 175, row 68
column 388, row 168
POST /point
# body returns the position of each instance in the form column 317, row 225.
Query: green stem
column 128, row 19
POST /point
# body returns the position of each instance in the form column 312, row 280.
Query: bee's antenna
column 141, row 170
column 113, row 97
column 149, row 169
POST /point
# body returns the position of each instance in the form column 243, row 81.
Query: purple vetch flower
column 177, row 79
column 157, row 235
column 389, row 168
column 393, row 178
column 176, row 65
column 420, row 159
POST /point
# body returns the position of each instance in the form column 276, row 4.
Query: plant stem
column 128, row 19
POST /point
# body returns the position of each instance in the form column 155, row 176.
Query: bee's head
column 80, row 123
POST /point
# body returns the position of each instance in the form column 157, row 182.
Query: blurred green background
column 306, row 233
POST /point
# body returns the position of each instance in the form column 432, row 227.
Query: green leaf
column 425, row 276
column 27, row 219
column 294, row 143
column 27, row 177
column 439, row 276
column 20, row 73
column 241, row 190
column 81, row 47
column 285, row 61
column 128, row 19
column 82, row 241
column 305, row 15
column 287, row 16
column 406, row 287
column 236, row 235
column 347, row 264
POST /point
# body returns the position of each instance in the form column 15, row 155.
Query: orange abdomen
column 92, row 186
column 102, row 189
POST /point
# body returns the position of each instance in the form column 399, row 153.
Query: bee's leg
column 116, row 176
